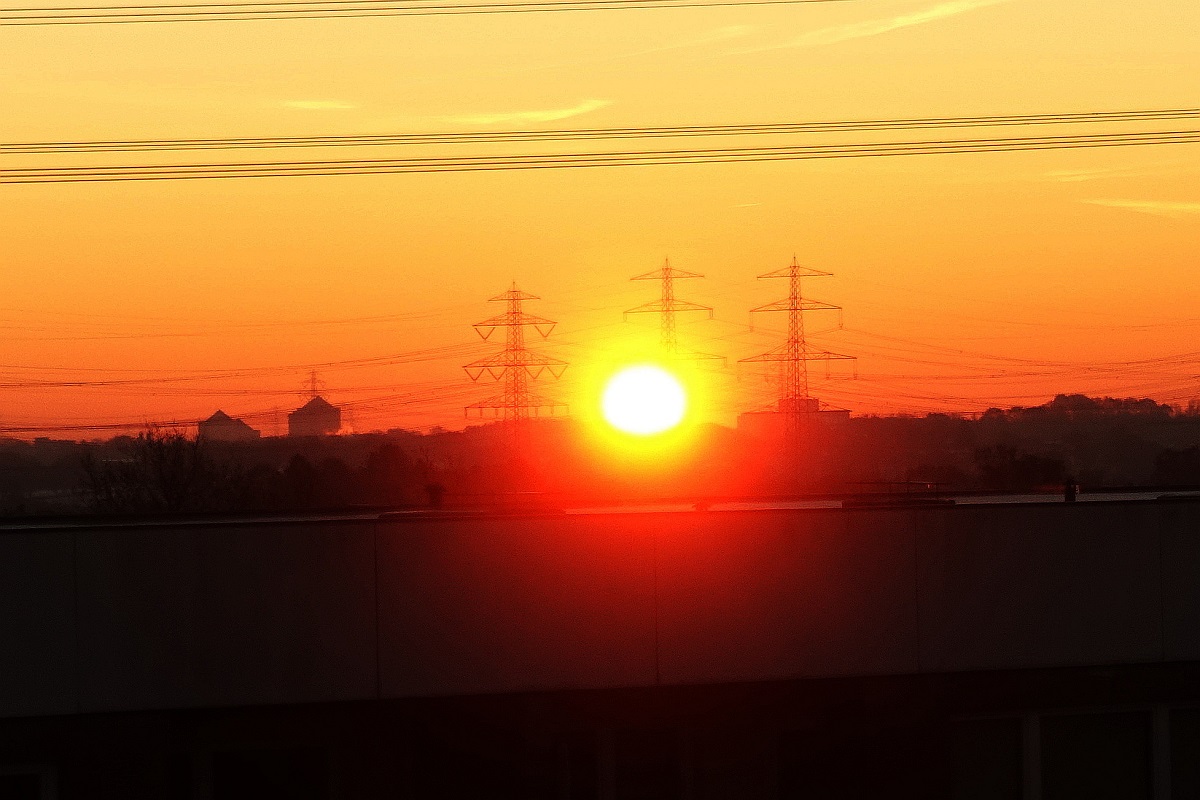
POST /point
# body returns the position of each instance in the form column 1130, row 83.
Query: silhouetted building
column 1009, row 650
column 768, row 424
column 221, row 427
column 317, row 417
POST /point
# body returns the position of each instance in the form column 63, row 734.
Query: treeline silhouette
column 1098, row 443
column 170, row 473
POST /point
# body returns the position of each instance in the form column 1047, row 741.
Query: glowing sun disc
column 643, row 400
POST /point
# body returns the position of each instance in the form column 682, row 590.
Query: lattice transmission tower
column 795, row 353
column 667, row 306
column 515, row 365
column 314, row 386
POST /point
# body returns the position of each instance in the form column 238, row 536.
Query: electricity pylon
column 667, row 306
column 795, row 353
column 315, row 385
column 515, row 365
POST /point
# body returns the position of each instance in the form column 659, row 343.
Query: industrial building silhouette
column 1006, row 650
column 221, row 427
column 317, row 417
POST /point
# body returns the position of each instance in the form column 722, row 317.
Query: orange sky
column 967, row 280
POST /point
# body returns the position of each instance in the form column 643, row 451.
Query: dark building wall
column 225, row 615
column 486, row 605
column 316, row 418
column 754, row 596
column 204, row 615
column 1052, row 586
column 1120, row 733
column 226, row 430
column 38, row 656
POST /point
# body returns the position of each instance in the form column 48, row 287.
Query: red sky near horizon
column 967, row 281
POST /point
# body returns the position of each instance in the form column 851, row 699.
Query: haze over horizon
column 967, row 280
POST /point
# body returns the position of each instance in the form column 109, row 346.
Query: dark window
column 20, row 787
column 292, row 774
column 1097, row 756
column 986, row 759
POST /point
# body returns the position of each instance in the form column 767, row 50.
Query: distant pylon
column 795, row 352
column 667, row 305
column 515, row 365
column 315, row 385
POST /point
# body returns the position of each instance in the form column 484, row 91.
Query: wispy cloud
column 874, row 27
column 1160, row 208
column 714, row 36
column 1106, row 173
column 540, row 115
column 1081, row 175
column 318, row 105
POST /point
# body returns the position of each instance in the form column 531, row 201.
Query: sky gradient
column 967, row 280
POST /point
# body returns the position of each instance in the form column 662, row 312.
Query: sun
column 643, row 400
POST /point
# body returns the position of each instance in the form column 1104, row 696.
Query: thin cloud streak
column 1081, row 175
column 1110, row 173
column 715, row 36
column 542, row 115
column 875, row 27
column 1159, row 208
column 318, row 105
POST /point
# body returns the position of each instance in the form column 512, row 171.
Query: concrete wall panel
column 226, row 615
column 37, row 625
column 1046, row 585
column 765, row 595
column 493, row 605
column 193, row 615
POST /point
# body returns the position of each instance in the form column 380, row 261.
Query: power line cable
column 322, row 168
column 617, row 133
column 343, row 9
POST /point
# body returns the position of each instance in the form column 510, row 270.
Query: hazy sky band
column 1064, row 262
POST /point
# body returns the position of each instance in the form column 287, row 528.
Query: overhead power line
column 199, row 376
column 339, row 9
column 325, row 167
column 657, row 132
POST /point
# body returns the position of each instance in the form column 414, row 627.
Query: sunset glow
column 644, row 400
column 969, row 280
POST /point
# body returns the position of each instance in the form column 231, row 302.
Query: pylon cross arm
column 665, row 272
column 658, row 306
column 501, row 401
column 513, row 294
column 783, row 353
column 535, row 370
column 512, row 319
column 802, row 305
column 796, row 271
column 696, row 355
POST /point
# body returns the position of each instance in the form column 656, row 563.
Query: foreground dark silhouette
column 1096, row 443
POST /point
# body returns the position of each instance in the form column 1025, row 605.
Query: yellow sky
column 1035, row 272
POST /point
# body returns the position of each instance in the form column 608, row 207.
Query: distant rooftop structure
column 317, row 417
column 774, row 423
column 221, row 427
